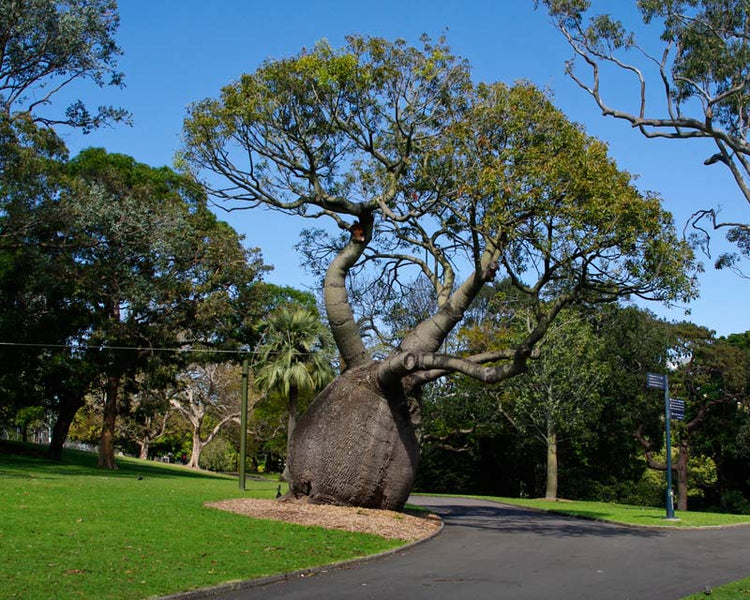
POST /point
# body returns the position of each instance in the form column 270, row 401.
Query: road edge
column 213, row 591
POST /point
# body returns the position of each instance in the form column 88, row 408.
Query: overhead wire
column 127, row 348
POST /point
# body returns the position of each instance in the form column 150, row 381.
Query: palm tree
column 294, row 358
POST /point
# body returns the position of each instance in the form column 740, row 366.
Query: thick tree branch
column 338, row 307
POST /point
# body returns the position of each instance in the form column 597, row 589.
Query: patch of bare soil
column 385, row 523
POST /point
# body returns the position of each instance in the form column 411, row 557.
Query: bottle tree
column 425, row 172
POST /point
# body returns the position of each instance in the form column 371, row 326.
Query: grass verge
column 624, row 514
column 71, row 530
column 737, row 590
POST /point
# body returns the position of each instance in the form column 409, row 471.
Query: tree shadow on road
column 509, row 519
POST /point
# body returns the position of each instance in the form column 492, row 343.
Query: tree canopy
column 694, row 83
column 429, row 175
column 48, row 44
column 429, row 171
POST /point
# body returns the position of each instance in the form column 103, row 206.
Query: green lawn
column 70, row 530
column 738, row 590
column 627, row 515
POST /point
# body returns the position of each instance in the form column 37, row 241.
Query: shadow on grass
column 17, row 459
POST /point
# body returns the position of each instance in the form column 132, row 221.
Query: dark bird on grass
column 278, row 491
column 139, row 478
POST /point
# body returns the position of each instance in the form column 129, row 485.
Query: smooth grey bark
column 338, row 308
column 107, row 443
column 550, row 492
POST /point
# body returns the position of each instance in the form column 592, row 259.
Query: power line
column 138, row 348
column 126, row 348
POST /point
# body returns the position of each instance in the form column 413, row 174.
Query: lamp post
column 243, row 422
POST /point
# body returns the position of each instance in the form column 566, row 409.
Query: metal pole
column 668, row 416
column 243, row 422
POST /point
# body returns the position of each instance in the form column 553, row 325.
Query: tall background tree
column 49, row 44
column 690, row 68
column 45, row 46
column 426, row 173
column 558, row 399
column 158, row 269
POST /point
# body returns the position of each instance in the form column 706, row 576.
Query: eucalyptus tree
column 559, row 397
column 47, row 45
column 208, row 397
column 293, row 358
column 713, row 379
column 425, row 172
column 693, row 83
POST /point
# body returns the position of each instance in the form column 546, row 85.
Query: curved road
column 490, row 550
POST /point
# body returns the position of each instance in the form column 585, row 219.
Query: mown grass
column 70, row 530
column 628, row 515
column 737, row 590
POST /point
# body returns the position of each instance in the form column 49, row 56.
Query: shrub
column 220, row 456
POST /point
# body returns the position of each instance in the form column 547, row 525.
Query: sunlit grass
column 737, row 590
column 625, row 514
column 70, row 530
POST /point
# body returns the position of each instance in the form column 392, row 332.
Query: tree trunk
column 551, row 489
column 291, row 425
column 143, row 450
column 195, row 454
column 69, row 406
column 107, row 443
column 355, row 445
column 682, row 474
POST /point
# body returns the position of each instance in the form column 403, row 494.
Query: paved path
column 490, row 550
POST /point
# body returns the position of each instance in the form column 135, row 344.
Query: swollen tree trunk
column 355, row 445
column 107, row 443
column 551, row 489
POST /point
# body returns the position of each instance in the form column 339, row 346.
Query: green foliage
column 449, row 168
column 295, row 352
column 46, row 45
column 561, row 388
column 701, row 66
column 219, row 456
column 735, row 503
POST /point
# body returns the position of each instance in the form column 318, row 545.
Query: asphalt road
column 490, row 550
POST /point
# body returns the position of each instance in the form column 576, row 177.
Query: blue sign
column 677, row 409
column 654, row 380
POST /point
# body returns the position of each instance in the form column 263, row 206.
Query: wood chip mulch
column 385, row 523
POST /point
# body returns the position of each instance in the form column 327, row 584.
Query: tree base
column 355, row 445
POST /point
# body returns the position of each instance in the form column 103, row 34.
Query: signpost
column 677, row 409
column 661, row 382
column 243, row 422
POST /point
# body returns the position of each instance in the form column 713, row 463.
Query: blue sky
column 177, row 52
